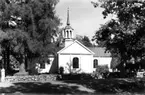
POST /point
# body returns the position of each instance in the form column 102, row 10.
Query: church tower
column 68, row 32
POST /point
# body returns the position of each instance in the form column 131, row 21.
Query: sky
column 84, row 18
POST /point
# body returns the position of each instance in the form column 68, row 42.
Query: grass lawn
column 114, row 86
column 102, row 86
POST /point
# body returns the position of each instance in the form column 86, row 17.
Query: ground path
column 100, row 86
column 5, row 84
column 80, row 87
column 44, row 87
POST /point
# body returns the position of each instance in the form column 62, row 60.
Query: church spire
column 68, row 22
column 68, row 31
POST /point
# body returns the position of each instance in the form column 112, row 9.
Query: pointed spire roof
column 68, row 22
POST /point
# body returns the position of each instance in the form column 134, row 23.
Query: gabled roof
column 96, row 51
column 86, row 48
column 100, row 52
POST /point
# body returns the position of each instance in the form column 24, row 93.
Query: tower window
column 70, row 34
column 75, row 62
column 67, row 34
column 95, row 63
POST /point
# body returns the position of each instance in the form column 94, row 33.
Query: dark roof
column 100, row 52
column 68, row 27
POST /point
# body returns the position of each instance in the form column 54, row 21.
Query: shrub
column 34, row 69
column 114, row 75
column 72, row 70
column 101, row 72
column 82, row 76
column 61, row 70
column 85, row 76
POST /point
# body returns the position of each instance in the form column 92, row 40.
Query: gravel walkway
column 80, row 87
column 69, row 85
column 5, row 84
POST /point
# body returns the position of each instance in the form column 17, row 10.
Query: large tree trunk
column 122, row 70
column 9, row 71
column 4, row 60
column 5, row 65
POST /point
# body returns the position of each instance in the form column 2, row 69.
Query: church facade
column 76, row 57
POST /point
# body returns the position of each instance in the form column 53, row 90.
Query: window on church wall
column 75, row 62
column 95, row 63
column 42, row 65
column 48, row 61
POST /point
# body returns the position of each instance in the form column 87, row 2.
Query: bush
column 114, row 75
column 101, row 72
column 61, row 70
column 85, row 76
column 118, row 75
column 69, row 77
column 34, row 69
column 82, row 76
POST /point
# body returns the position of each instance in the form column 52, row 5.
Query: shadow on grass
column 112, row 86
column 101, row 86
column 42, row 88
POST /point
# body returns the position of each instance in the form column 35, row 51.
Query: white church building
column 77, row 57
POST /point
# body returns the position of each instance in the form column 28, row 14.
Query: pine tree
column 29, row 26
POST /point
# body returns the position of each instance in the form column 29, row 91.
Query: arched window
column 95, row 63
column 75, row 62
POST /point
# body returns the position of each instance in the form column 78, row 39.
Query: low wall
column 31, row 78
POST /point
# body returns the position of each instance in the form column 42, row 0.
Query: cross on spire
column 68, row 22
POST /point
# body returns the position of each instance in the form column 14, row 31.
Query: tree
column 30, row 26
column 124, row 36
column 84, row 40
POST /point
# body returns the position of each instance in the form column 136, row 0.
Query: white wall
column 46, row 69
column 104, row 61
column 68, row 42
column 85, row 62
